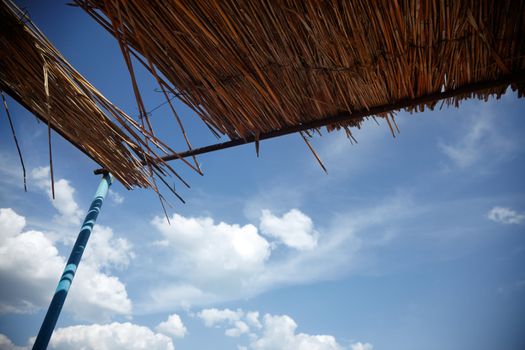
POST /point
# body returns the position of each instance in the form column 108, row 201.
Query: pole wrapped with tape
column 46, row 330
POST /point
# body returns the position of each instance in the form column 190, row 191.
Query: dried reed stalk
column 252, row 67
column 34, row 73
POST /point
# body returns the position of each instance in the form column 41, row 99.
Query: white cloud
column 226, row 317
column 279, row 334
column 212, row 262
column 239, row 328
column 97, row 296
column 208, row 261
column 294, row 229
column 213, row 317
column 106, row 251
column 7, row 344
column 505, row 216
column 362, row 346
column 173, row 326
column 175, row 295
column 112, row 336
column 64, row 202
column 115, row 197
column 253, row 319
column 206, row 265
column 11, row 224
column 41, row 175
column 30, row 265
column 214, row 250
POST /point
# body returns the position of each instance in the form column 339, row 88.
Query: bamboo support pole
column 51, row 318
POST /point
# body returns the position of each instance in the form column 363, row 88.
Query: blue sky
column 416, row 242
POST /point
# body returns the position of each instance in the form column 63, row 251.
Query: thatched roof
column 252, row 67
column 33, row 72
column 256, row 69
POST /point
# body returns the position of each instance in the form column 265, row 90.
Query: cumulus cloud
column 106, row 251
column 505, row 216
column 7, row 344
column 279, row 333
column 207, row 260
column 213, row 317
column 294, row 229
column 214, row 249
column 205, row 265
column 11, row 223
column 173, row 326
column 276, row 332
column 31, row 265
column 239, row 328
column 226, row 317
column 64, row 201
column 253, row 319
column 97, row 296
column 361, row 346
column 212, row 262
column 113, row 336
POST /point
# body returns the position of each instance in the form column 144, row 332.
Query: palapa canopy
column 251, row 69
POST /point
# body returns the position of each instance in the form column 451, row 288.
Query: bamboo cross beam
column 347, row 116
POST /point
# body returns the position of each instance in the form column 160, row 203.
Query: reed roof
column 35, row 73
column 250, row 69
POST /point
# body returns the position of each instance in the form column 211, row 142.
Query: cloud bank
column 272, row 332
column 30, row 266
column 207, row 261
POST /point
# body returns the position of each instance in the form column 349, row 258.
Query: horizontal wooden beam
column 338, row 118
column 348, row 116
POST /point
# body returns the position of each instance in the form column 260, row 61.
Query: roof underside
column 33, row 72
column 252, row 67
column 255, row 68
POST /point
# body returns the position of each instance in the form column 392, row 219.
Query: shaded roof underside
column 255, row 68
column 252, row 67
column 33, row 72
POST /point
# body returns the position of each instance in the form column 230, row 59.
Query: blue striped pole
column 42, row 339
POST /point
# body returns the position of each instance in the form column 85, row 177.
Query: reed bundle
column 34, row 73
column 252, row 67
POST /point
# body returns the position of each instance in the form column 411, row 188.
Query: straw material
column 252, row 67
column 249, row 68
column 33, row 72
